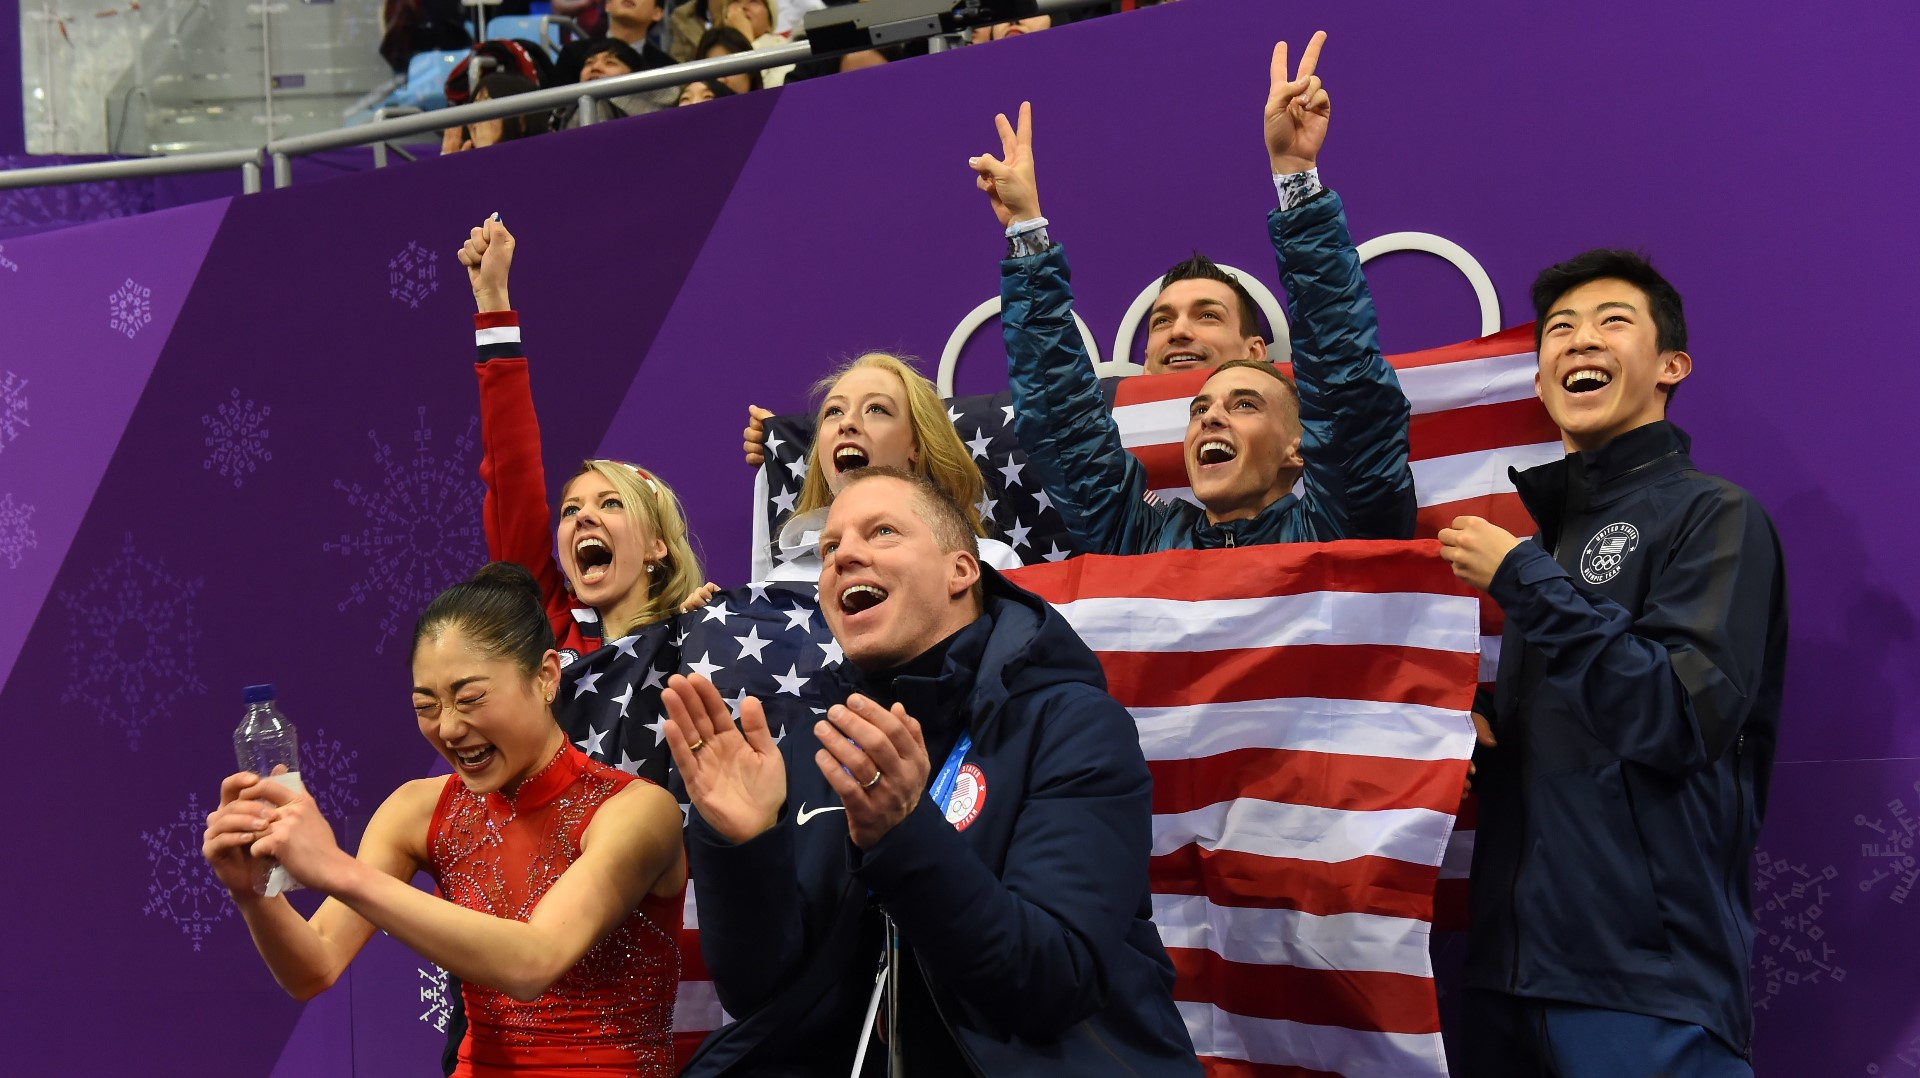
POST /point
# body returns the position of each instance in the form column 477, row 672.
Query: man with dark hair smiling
column 1011, row 880
column 1626, row 750
column 1252, row 432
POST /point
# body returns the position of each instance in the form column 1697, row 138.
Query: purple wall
column 13, row 137
column 274, row 471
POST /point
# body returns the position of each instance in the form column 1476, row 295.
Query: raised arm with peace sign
column 1297, row 110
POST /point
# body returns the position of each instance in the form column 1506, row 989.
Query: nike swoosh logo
column 800, row 818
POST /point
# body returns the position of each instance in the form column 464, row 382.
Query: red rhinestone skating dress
column 612, row 1013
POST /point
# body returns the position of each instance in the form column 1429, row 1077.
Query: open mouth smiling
column 849, row 457
column 859, row 598
column 594, row 558
column 1214, row 451
column 1586, row 380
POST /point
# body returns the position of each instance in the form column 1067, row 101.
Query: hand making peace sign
column 1297, row 110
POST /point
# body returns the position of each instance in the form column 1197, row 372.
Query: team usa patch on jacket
column 969, row 797
column 1607, row 551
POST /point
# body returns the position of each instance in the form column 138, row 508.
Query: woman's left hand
column 297, row 836
column 700, row 597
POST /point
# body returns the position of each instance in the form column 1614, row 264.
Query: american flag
column 1474, row 416
column 1303, row 710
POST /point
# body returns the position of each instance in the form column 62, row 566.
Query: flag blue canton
column 1014, row 509
column 767, row 641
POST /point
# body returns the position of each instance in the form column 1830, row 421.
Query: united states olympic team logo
column 1607, row 551
column 969, row 797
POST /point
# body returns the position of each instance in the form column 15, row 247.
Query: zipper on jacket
column 1229, row 538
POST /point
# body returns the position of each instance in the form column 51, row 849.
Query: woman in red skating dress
column 563, row 878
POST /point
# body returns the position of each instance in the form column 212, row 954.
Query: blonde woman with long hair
column 623, row 558
column 876, row 411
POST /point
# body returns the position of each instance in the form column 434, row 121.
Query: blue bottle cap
column 259, row 693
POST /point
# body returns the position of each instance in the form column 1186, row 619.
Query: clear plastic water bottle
column 266, row 744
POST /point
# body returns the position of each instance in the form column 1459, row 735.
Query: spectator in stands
column 755, row 23
column 628, row 21
column 1629, row 739
column 487, row 132
column 875, row 411
column 726, row 41
column 416, row 26
column 696, row 93
column 1252, row 432
column 1013, row 878
column 560, row 879
column 793, row 15
column 1000, row 31
column 610, row 58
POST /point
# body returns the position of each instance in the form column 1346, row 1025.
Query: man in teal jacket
column 1252, row 433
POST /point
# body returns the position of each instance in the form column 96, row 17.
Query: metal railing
column 388, row 128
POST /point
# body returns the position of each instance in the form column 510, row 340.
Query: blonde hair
column 648, row 500
column 943, row 456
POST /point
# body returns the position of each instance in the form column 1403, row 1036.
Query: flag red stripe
column 1382, row 885
column 1410, row 675
column 1221, row 1067
column 1477, row 429
column 1166, row 463
column 1351, row 999
column 1299, row 777
column 1504, row 509
column 1255, row 572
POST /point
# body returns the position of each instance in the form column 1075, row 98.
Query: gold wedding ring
column 869, row 784
column 698, row 745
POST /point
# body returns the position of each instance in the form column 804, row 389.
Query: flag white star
column 1017, row 535
column 781, row 736
column 953, row 414
column 773, row 443
column 682, row 638
column 1012, row 472
column 798, row 468
column 751, row 644
column 800, row 617
column 791, row 681
column 757, row 593
column 1056, row 554
column 1046, row 503
column 733, row 705
column 623, row 699
column 717, row 612
column 656, row 679
column 659, row 728
column 1007, row 410
column 591, row 746
column 586, row 682
column 784, row 500
column 685, row 814
column 978, row 443
column 834, row 654
column 630, row 765
column 624, row 646
column 704, row 668
column 985, row 507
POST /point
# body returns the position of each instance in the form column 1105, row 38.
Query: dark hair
column 499, row 610
column 715, row 86
column 623, row 52
column 1669, row 316
column 526, row 125
column 1293, row 390
column 1202, row 268
column 734, row 41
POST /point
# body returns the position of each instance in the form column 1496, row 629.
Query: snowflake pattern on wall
column 6, row 263
column 237, row 438
column 433, row 997
column 13, row 409
column 132, row 642
column 130, row 308
column 16, row 531
column 422, row 528
column 327, row 771
column 1887, row 849
column 1905, row 1061
column 413, row 274
column 30, row 207
column 1790, row 946
column 182, row 888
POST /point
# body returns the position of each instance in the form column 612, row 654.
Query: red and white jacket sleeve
column 519, row 526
